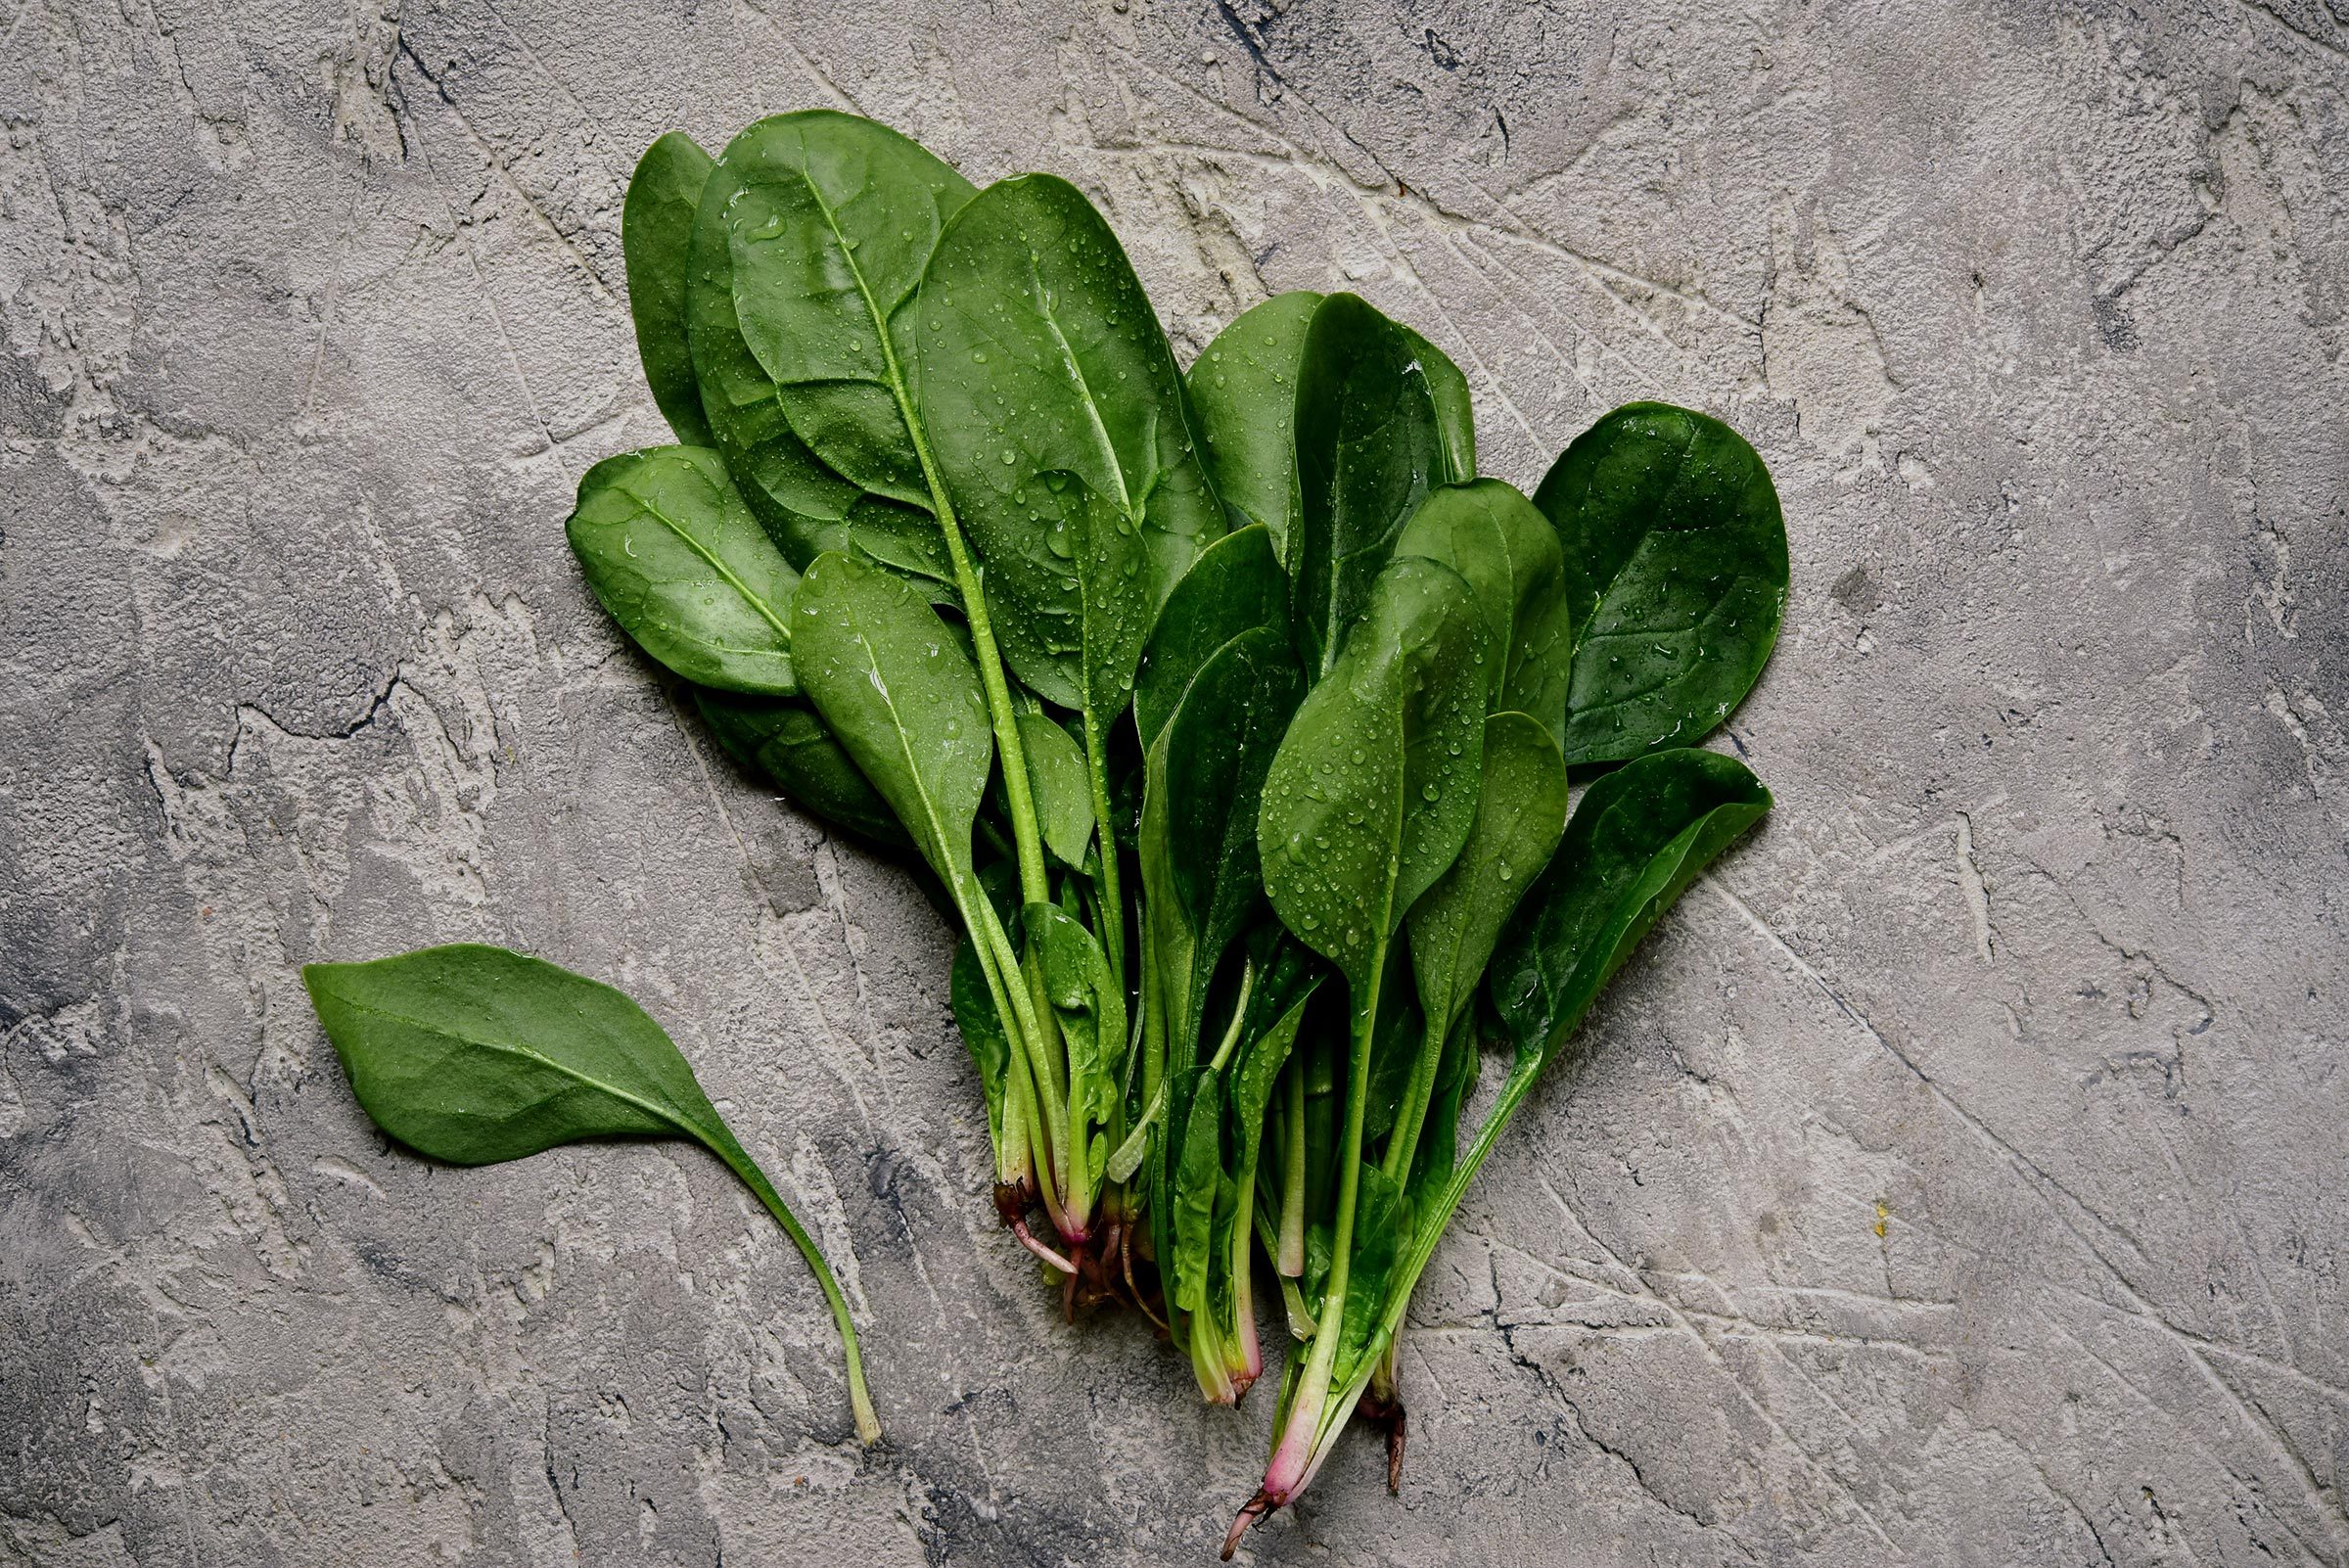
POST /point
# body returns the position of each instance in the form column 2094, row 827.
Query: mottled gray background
column 1957, row 1178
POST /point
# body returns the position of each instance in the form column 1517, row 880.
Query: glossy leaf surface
column 1374, row 788
column 1641, row 835
column 1508, row 554
column 656, row 235
column 833, row 219
column 1367, row 451
column 1520, row 817
column 675, row 556
column 1234, row 587
column 896, row 688
column 1676, row 561
column 1244, row 385
column 1054, row 410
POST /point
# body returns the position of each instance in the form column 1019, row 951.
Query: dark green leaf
column 1090, row 1006
column 1509, row 556
column 834, row 218
column 1641, row 834
column 1194, row 1132
column 1245, row 388
column 1367, row 450
column 475, row 1054
column 1378, row 1239
column 656, row 235
column 1676, row 565
column 1374, row 788
column 787, row 740
column 1059, row 787
column 1054, row 410
column 895, row 686
column 805, row 505
column 1236, row 584
column 677, row 558
column 1456, row 416
column 1520, row 813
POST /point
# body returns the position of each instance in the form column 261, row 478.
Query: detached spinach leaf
column 1367, row 451
column 788, row 741
column 477, row 1055
column 1643, row 833
column 1373, row 790
column 1676, row 566
column 656, row 234
column 1508, row 554
column 677, row 558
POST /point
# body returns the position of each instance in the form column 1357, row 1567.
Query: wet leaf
column 1234, row 587
column 1676, row 562
column 656, row 234
column 1508, row 554
column 786, row 740
column 672, row 553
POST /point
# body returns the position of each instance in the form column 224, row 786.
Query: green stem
column 1289, row 1262
column 1113, row 903
column 860, row 1400
column 1324, row 1359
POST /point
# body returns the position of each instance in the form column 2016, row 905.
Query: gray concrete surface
column 1958, row 1177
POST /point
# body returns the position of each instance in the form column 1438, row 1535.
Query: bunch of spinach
column 1232, row 714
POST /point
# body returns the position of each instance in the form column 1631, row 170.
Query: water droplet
column 1429, row 792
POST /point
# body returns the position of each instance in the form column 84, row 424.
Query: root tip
column 1257, row 1506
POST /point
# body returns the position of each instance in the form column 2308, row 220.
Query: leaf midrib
column 1106, row 448
column 717, row 564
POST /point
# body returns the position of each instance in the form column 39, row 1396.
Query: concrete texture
column 1959, row 1176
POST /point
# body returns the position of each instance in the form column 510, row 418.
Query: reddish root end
column 1019, row 1228
column 1253, row 1513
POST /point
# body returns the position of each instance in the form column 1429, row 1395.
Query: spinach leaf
column 1641, row 834
column 1200, row 874
column 787, row 740
column 656, row 233
column 833, row 220
column 1056, row 780
column 1195, row 1149
column 1520, row 815
column 1508, row 553
column 1373, row 792
column 1056, row 414
column 899, row 693
column 805, row 506
column 1676, row 566
column 1245, row 388
column 677, row 558
column 1089, row 1006
column 476, row 1055
column 1236, row 584
column 1367, row 450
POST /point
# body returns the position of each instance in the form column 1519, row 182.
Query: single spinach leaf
column 677, row 559
column 1367, row 450
column 1377, row 1242
column 1236, row 584
column 1054, row 410
column 476, row 1055
column 1200, row 868
column 895, row 686
column 1245, row 388
column 805, row 506
column 1641, row 834
column 1508, row 553
column 1195, row 1152
column 656, row 235
column 787, row 740
column 1676, row 565
column 833, row 221
column 1520, row 815
column 1373, row 790
column 1090, row 1006
column 1057, row 783
column 1456, row 414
